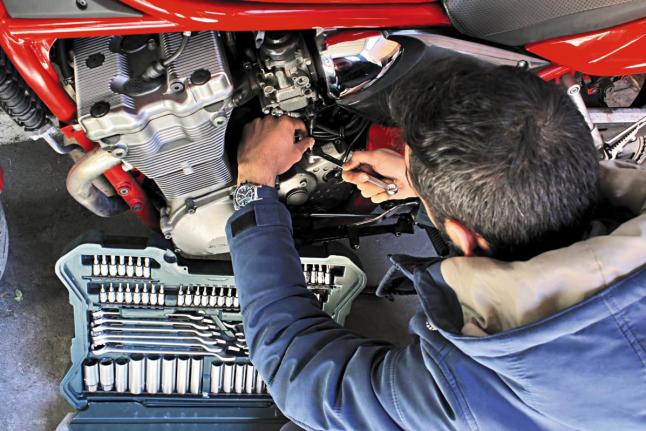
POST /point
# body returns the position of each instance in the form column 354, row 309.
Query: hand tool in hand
column 390, row 188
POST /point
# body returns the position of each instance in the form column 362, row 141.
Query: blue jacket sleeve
column 320, row 375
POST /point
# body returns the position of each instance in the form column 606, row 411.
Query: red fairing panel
column 619, row 50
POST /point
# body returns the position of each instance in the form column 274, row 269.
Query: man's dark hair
column 501, row 151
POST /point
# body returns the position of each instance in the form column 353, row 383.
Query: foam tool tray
column 159, row 342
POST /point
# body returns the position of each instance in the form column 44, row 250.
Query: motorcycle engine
column 172, row 127
column 285, row 75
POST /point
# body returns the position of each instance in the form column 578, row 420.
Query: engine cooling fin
column 173, row 129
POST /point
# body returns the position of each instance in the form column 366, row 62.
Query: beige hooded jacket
column 497, row 296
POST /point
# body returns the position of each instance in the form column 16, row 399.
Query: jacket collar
column 498, row 296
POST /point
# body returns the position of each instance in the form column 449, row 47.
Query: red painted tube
column 553, row 72
column 123, row 182
column 31, row 60
column 195, row 15
column 27, row 58
column 131, row 192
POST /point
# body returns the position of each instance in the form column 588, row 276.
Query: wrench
column 111, row 314
column 202, row 318
column 154, row 323
column 98, row 330
column 100, row 351
column 104, row 339
column 157, row 343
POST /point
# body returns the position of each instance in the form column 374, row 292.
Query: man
column 537, row 322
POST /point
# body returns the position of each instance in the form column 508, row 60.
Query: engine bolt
column 219, row 121
column 81, row 4
column 124, row 191
column 177, row 87
column 137, row 207
column 119, row 151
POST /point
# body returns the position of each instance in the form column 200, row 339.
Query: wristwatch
column 244, row 194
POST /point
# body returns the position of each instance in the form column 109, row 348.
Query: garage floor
column 36, row 323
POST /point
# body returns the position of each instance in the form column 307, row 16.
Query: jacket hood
column 561, row 336
column 497, row 296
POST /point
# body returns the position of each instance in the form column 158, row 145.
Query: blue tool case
column 159, row 342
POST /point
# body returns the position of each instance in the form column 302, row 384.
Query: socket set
column 120, row 266
column 169, row 374
column 151, row 329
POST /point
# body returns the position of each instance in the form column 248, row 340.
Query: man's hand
column 388, row 164
column 268, row 149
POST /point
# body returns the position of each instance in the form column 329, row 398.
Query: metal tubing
column 182, row 374
column 121, row 374
column 238, row 382
column 616, row 115
column 91, row 374
column 216, row 377
column 153, row 368
column 119, row 179
column 197, row 364
column 227, row 378
column 106, row 374
column 79, row 183
column 574, row 91
column 168, row 374
column 136, row 376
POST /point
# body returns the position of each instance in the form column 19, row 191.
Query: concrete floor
column 36, row 319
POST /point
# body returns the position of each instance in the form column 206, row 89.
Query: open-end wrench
column 391, row 189
column 97, row 330
column 104, row 350
column 202, row 318
column 104, row 339
column 102, row 321
column 159, row 344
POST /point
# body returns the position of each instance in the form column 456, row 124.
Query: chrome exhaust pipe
column 80, row 178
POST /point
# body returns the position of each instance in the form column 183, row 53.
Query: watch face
column 245, row 194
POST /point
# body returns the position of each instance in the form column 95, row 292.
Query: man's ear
column 463, row 237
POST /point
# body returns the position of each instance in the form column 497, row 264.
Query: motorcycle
column 149, row 96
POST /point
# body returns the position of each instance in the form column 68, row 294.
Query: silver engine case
column 174, row 137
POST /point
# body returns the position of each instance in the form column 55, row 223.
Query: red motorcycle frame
column 614, row 51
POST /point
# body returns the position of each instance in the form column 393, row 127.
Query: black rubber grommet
column 99, row 109
column 200, row 77
column 95, row 60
